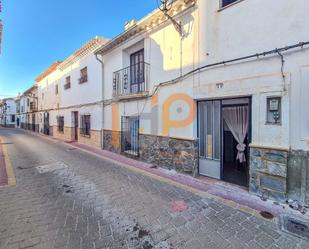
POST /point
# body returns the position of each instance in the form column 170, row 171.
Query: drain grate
column 295, row 225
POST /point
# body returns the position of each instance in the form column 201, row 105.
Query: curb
column 253, row 206
column 7, row 166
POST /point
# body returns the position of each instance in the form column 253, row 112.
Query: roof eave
column 151, row 20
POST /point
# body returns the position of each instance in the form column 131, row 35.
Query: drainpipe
column 102, row 64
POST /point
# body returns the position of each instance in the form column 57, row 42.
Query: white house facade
column 28, row 109
column 205, row 87
column 224, row 97
column 8, row 112
column 70, row 97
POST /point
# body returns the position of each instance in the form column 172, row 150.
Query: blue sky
column 39, row 32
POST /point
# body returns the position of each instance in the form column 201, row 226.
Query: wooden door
column 76, row 126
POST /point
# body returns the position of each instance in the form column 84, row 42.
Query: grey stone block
column 277, row 169
column 276, row 156
column 272, row 183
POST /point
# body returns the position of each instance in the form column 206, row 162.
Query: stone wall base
column 268, row 173
column 298, row 176
column 93, row 140
column 112, row 141
column 172, row 153
column 30, row 127
column 178, row 154
column 8, row 126
column 67, row 134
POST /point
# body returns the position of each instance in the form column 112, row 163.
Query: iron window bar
column 131, row 80
column 130, row 135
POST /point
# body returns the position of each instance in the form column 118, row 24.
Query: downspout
column 102, row 133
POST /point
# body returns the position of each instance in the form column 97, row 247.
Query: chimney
column 130, row 24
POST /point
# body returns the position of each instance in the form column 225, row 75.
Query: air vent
column 295, row 225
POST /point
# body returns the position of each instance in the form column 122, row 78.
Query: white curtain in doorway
column 237, row 120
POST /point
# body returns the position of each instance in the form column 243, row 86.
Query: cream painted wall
column 241, row 30
column 88, row 92
column 215, row 35
column 83, row 98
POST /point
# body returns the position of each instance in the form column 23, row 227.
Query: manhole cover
column 51, row 167
column 267, row 215
column 295, row 225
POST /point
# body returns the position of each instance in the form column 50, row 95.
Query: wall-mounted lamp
column 165, row 6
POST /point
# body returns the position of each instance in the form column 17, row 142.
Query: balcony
column 132, row 81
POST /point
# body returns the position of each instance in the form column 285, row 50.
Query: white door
column 209, row 138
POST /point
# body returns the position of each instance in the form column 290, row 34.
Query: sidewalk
column 229, row 194
column 3, row 174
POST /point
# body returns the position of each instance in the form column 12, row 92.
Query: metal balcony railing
column 131, row 80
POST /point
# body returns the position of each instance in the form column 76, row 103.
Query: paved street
column 92, row 203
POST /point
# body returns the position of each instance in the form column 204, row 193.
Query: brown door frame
column 249, row 104
column 75, row 125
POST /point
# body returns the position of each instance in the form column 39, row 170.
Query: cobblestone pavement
column 93, row 203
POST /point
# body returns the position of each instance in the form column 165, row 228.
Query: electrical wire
column 258, row 55
column 224, row 63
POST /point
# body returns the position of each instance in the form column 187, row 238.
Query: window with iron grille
column 83, row 75
column 130, row 135
column 60, row 123
column 85, row 125
column 32, row 106
column 227, row 2
column 56, row 89
column 67, row 84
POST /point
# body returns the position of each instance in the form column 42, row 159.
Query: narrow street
column 89, row 202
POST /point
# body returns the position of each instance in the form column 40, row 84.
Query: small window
column 13, row 118
column 227, row 2
column 28, row 102
column 83, row 75
column 60, row 124
column 56, row 89
column 273, row 110
column 85, row 125
column 67, row 84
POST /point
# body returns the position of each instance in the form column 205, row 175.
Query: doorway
column 130, row 135
column 137, row 72
column 224, row 128
column 75, row 125
column 46, row 123
column 33, row 122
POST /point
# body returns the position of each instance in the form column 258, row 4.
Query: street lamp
column 165, row 5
